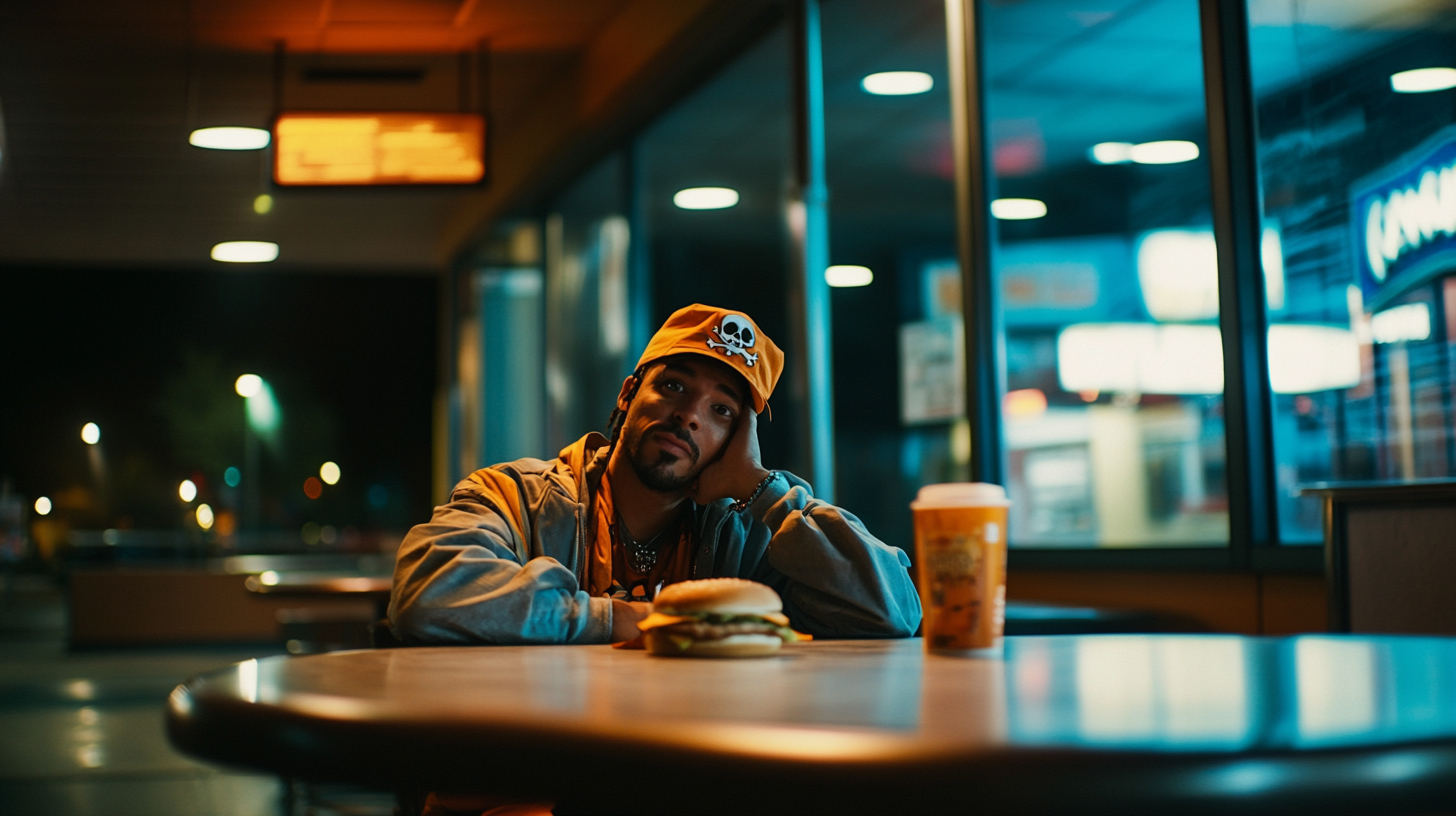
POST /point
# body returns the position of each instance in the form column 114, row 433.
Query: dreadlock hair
column 619, row 415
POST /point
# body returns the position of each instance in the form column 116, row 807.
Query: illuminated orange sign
column 318, row 149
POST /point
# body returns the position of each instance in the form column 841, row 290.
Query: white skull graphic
column 738, row 337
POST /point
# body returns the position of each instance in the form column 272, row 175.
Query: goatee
column 656, row 475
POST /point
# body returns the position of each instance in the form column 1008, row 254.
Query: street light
column 90, row 433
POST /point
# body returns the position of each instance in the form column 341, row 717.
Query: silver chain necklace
column 641, row 557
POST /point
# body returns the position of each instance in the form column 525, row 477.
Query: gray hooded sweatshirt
column 504, row 561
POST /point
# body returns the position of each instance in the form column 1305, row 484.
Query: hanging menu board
column 362, row 149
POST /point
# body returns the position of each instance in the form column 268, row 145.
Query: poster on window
column 932, row 371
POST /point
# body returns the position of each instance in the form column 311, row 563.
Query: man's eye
column 673, row 385
column 724, row 410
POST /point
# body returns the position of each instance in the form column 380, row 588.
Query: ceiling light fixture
column 846, row 275
column 1018, row 209
column 1169, row 152
column 245, row 252
column 1423, row 80
column 230, row 138
column 705, row 198
column 897, row 83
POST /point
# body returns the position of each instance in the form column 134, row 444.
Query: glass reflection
column 1356, row 144
column 1109, row 283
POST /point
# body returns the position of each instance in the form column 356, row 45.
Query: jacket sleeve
column 458, row 579
column 837, row 580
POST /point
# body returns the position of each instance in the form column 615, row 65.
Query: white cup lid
column 961, row 494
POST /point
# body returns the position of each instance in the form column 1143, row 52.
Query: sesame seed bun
column 721, row 596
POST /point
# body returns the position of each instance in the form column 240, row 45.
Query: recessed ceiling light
column 1018, row 209
column 1111, row 152
column 230, row 138
column 1169, row 152
column 846, row 275
column 705, row 198
column 245, row 252
column 1423, row 80
column 897, row 83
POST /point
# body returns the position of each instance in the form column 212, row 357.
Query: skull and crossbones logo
column 737, row 335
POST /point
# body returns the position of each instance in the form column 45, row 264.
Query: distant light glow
column 845, row 275
column 1402, row 324
column 705, row 198
column 897, row 83
column 1169, row 152
column 1178, row 273
column 230, row 138
column 81, row 689
column 232, row 477
column 263, row 204
column 204, row 516
column 1423, row 80
column 1271, row 257
column 1018, row 209
column 1025, row 402
column 268, row 578
column 1140, row 358
column 187, row 491
column 312, row 487
column 245, row 252
column 249, row 385
column 1304, row 359
column 1111, row 153
column 43, row 506
column 329, row 472
column 90, row 433
column 262, row 410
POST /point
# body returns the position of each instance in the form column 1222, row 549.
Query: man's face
column 682, row 417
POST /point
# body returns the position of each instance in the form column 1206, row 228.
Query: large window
column 1104, row 409
column 1106, row 271
column 1357, row 158
column 899, row 418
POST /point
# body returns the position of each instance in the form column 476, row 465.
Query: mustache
column 680, row 433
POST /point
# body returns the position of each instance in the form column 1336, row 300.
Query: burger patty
column 698, row 630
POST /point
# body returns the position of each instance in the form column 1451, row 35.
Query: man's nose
column 690, row 416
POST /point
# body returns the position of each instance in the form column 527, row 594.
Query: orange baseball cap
column 727, row 336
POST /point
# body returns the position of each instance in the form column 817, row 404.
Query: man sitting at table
column 573, row 550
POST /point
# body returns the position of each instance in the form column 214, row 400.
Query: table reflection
column 1221, row 693
column 1228, row 693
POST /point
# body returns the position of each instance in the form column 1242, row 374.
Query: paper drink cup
column 960, row 545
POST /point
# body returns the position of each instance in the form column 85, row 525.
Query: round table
column 1076, row 724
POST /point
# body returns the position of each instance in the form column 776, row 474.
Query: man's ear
column 625, row 394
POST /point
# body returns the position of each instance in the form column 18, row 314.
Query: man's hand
column 738, row 471
column 625, row 616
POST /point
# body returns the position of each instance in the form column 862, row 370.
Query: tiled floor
column 81, row 733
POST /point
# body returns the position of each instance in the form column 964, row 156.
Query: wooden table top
column 1074, row 724
column 314, row 583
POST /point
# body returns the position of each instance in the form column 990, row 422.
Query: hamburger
column 717, row 617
